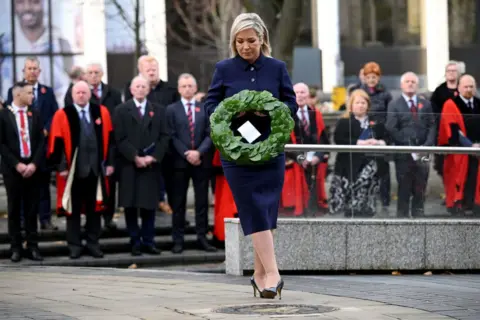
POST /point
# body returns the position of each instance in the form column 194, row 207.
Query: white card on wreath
column 249, row 132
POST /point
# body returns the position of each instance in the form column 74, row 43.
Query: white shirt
column 142, row 105
column 99, row 89
column 301, row 114
column 22, row 134
column 35, row 91
column 87, row 111
column 467, row 101
column 407, row 99
column 192, row 101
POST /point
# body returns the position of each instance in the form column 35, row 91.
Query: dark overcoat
column 138, row 187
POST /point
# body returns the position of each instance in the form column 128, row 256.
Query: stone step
column 124, row 260
column 108, row 246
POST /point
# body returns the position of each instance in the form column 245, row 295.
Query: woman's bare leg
column 263, row 244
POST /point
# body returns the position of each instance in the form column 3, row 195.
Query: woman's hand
column 362, row 142
column 381, row 143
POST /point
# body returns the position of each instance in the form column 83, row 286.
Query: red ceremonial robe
column 64, row 138
column 295, row 191
column 455, row 167
column 224, row 204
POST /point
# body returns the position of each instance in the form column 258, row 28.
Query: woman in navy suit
column 256, row 188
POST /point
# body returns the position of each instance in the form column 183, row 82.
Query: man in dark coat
column 141, row 138
column 45, row 102
column 189, row 129
column 163, row 94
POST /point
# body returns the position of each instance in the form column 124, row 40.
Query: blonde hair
column 356, row 93
column 145, row 59
column 250, row 21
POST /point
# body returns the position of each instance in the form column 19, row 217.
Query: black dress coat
column 138, row 187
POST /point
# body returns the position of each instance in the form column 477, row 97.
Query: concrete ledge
column 354, row 244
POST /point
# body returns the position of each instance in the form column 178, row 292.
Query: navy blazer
column 236, row 74
column 46, row 104
column 178, row 129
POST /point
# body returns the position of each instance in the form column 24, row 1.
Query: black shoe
column 177, row 248
column 136, row 251
column 16, row 256
column 271, row 293
column 48, row 226
column 34, row 254
column 151, row 249
column 75, row 252
column 95, row 251
column 204, row 245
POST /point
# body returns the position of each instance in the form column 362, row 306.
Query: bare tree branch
column 123, row 14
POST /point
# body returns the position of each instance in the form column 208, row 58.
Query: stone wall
column 354, row 244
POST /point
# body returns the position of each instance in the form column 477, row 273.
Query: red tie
column 191, row 125
column 23, row 134
column 304, row 121
column 413, row 108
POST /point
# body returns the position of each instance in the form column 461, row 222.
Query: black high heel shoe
column 255, row 288
column 271, row 293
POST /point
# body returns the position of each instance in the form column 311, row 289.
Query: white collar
column 185, row 101
column 79, row 109
column 17, row 108
column 140, row 104
column 467, row 100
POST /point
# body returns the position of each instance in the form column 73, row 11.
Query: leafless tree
column 134, row 24
column 204, row 23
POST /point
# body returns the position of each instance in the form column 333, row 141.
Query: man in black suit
column 163, row 94
column 109, row 97
column 410, row 121
column 141, row 141
column 189, row 129
column 22, row 148
column 45, row 102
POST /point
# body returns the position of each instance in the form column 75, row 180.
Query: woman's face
column 248, row 45
column 359, row 106
column 371, row 79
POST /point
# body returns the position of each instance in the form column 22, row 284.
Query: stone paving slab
column 88, row 293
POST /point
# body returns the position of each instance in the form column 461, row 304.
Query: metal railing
column 381, row 149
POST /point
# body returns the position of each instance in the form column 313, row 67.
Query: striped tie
column 191, row 125
column 306, row 127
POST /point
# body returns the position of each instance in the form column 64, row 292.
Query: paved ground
column 86, row 293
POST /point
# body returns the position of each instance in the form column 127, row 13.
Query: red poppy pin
column 151, row 114
column 43, row 90
column 29, row 113
column 420, row 106
column 455, row 93
column 197, row 109
column 98, row 121
column 372, row 123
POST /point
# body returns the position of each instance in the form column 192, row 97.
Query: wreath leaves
column 231, row 147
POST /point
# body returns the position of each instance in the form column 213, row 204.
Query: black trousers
column 200, row 177
column 22, row 194
column 412, row 179
column 84, row 194
column 112, row 199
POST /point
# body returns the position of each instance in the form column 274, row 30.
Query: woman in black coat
column 355, row 181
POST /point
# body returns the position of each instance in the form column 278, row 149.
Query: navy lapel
column 40, row 94
column 198, row 118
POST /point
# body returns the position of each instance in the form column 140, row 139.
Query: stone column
column 156, row 33
column 328, row 41
column 435, row 40
column 94, row 34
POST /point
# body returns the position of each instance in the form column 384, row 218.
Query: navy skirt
column 256, row 190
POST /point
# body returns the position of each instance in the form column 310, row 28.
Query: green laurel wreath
column 231, row 147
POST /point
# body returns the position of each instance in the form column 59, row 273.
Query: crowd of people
column 138, row 150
